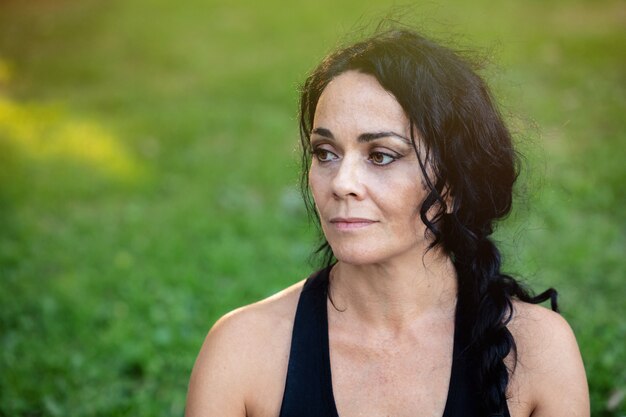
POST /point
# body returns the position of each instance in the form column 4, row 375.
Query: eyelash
column 318, row 152
column 393, row 158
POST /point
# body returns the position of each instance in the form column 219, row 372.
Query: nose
column 348, row 179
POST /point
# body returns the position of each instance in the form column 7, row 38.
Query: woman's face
column 365, row 177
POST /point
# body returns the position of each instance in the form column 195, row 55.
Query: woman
column 409, row 164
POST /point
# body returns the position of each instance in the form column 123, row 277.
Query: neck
column 394, row 295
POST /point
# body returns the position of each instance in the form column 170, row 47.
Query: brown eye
column 380, row 158
column 324, row 155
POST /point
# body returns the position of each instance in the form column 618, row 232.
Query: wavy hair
column 469, row 166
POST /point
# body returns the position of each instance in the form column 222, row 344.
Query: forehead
column 354, row 100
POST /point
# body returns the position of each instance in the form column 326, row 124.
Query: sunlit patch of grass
column 45, row 132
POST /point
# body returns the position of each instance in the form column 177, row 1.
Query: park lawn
column 149, row 169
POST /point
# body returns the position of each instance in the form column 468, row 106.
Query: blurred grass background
column 148, row 174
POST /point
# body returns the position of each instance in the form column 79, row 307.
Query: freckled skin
column 351, row 184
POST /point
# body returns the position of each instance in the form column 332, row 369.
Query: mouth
column 351, row 223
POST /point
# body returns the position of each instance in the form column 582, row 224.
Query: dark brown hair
column 464, row 141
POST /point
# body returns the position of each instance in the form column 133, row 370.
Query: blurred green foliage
column 148, row 173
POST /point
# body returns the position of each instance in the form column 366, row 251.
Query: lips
column 351, row 223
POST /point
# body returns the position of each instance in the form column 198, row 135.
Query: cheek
column 317, row 185
column 405, row 181
column 403, row 200
column 313, row 181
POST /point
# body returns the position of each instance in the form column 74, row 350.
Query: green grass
column 148, row 180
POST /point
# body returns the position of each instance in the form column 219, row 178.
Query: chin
column 358, row 254
column 375, row 249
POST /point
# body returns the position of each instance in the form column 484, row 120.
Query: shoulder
column 261, row 320
column 549, row 372
column 538, row 328
column 244, row 357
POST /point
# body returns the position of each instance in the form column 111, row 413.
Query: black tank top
column 308, row 388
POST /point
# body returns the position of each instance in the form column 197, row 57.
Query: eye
column 381, row 158
column 324, row 155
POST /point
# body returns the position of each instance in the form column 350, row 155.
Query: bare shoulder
column 549, row 372
column 537, row 329
column 242, row 364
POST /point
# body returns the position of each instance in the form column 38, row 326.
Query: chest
column 387, row 377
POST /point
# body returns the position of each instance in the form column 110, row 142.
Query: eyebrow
column 363, row 137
